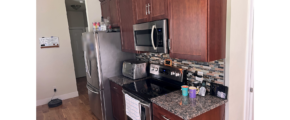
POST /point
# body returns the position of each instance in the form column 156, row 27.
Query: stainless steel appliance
column 151, row 36
column 103, row 59
column 134, row 69
column 163, row 80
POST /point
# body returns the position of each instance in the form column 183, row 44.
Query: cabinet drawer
column 115, row 87
column 162, row 114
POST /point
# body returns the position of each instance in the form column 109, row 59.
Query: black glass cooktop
column 150, row 88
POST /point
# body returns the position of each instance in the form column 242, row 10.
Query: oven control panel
column 174, row 73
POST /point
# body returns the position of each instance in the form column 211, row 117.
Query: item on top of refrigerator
column 102, row 26
column 94, row 26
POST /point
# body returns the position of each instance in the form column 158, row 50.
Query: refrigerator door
column 90, row 56
column 111, row 56
column 110, row 62
column 95, row 102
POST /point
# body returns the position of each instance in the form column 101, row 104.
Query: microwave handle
column 168, row 43
column 152, row 39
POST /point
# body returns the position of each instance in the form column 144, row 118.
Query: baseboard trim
column 62, row 97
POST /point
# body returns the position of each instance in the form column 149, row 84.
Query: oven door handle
column 145, row 104
column 152, row 39
column 140, row 103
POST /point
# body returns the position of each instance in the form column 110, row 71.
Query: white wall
column 227, row 59
column 77, row 19
column 54, row 65
column 94, row 13
column 236, row 57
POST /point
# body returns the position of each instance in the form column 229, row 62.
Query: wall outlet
column 54, row 89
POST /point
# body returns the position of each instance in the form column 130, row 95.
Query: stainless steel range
column 164, row 79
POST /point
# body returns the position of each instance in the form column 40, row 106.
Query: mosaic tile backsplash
column 212, row 71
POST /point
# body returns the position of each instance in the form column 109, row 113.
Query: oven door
column 146, row 109
column 151, row 36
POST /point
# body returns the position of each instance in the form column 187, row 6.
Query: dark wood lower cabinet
column 117, row 99
column 214, row 114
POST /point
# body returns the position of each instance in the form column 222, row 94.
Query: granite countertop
column 173, row 102
column 121, row 80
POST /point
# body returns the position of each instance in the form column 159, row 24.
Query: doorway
column 77, row 21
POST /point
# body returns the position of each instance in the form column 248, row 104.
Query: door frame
column 249, row 82
column 76, row 28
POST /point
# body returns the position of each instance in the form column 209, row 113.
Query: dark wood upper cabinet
column 126, row 25
column 140, row 11
column 158, row 9
column 102, row 0
column 114, row 16
column 197, row 29
column 117, row 99
column 110, row 9
column 149, row 10
column 105, row 6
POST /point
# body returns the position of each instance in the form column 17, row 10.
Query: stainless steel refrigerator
column 103, row 59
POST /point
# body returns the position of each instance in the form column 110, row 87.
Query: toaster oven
column 134, row 69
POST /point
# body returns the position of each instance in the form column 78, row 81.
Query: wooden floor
column 71, row 109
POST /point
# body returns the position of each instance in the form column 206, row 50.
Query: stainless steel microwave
column 151, row 36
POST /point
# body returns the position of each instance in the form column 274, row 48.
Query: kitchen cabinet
column 110, row 9
column 162, row 114
column 140, row 10
column 105, row 6
column 114, row 15
column 126, row 26
column 217, row 113
column 158, row 9
column 117, row 99
column 197, row 29
column 149, row 10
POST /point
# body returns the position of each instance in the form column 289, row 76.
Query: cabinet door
column 140, row 8
column 188, row 29
column 121, row 107
column 126, row 25
column 114, row 16
column 115, row 107
column 158, row 9
column 105, row 6
column 162, row 114
column 117, row 101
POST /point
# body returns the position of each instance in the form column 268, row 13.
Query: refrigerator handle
column 92, row 90
column 87, row 70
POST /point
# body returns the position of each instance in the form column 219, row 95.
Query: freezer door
column 95, row 102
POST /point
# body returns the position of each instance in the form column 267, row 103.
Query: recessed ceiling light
column 81, row 1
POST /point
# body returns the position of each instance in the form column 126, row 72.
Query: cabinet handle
column 165, row 118
column 148, row 8
column 115, row 88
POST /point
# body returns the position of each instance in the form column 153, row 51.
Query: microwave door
column 143, row 40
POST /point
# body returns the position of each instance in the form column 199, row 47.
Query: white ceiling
column 68, row 4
